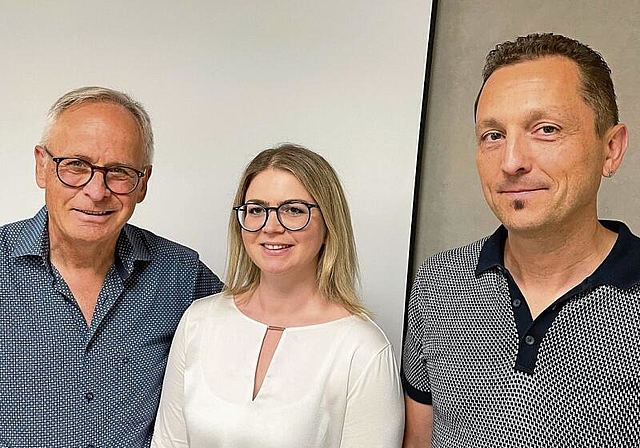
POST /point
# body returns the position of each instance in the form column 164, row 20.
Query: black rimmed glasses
column 292, row 215
column 74, row 172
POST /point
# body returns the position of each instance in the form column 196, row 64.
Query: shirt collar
column 34, row 237
column 33, row 240
column 620, row 269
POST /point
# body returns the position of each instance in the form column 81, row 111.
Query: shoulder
column 11, row 231
column 22, row 234
column 457, row 260
column 214, row 307
column 449, row 269
column 444, row 278
column 367, row 349
column 145, row 241
column 368, row 333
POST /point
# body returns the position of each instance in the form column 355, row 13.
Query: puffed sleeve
column 170, row 430
column 374, row 416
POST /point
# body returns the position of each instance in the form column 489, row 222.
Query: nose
column 516, row 156
column 96, row 188
column 272, row 225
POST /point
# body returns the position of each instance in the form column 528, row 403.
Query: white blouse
column 328, row 385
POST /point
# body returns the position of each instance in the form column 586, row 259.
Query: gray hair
column 96, row 94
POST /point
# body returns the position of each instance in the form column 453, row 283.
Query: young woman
column 286, row 355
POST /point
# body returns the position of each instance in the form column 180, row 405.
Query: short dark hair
column 595, row 75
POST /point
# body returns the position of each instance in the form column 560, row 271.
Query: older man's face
column 539, row 158
column 103, row 134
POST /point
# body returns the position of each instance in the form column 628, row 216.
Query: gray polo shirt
column 495, row 377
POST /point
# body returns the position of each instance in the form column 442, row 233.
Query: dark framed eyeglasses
column 74, row 172
column 292, row 215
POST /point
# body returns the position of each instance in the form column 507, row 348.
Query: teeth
column 94, row 213
column 276, row 246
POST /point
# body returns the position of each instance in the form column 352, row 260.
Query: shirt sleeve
column 415, row 375
column 375, row 410
column 170, row 429
column 207, row 283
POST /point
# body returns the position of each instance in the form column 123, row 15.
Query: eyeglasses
column 74, row 172
column 292, row 215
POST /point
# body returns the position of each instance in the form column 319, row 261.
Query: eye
column 254, row 210
column 491, row 136
column 548, row 129
column 76, row 165
column 122, row 172
column 294, row 209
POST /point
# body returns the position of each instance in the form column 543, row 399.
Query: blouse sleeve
column 375, row 408
column 170, row 430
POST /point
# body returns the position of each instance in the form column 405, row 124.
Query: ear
column 617, row 140
column 142, row 190
column 41, row 166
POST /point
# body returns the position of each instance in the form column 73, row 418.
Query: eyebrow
column 534, row 115
column 87, row 159
column 266, row 204
column 487, row 123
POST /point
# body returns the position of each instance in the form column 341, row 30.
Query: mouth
column 94, row 212
column 520, row 191
column 271, row 246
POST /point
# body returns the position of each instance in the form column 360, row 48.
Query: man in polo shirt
column 88, row 303
column 530, row 337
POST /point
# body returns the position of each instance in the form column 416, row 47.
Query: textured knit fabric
column 570, row 378
column 65, row 385
column 328, row 385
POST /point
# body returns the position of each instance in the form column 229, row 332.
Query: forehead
column 275, row 185
column 546, row 83
column 97, row 127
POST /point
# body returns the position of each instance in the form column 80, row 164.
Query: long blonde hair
column 337, row 271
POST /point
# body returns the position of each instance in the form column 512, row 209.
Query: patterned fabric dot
column 463, row 343
column 65, row 385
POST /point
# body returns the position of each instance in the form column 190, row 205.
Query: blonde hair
column 337, row 271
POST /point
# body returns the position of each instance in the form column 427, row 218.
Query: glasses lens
column 74, row 172
column 122, row 179
column 294, row 215
column 252, row 217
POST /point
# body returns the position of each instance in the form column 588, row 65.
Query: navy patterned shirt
column 63, row 384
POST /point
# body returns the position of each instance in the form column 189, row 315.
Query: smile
column 521, row 192
column 94, row 213
column 276, row 246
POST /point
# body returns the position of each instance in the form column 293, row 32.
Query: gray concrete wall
column 451, row 209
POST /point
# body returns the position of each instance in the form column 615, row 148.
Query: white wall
column 223, row 80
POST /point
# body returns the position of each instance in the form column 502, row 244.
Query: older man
column 89, row 303
column 530, row 337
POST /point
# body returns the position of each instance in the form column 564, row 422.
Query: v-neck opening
column 270, row 343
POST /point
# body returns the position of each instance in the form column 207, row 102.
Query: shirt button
column 529, row 340
column 516, row 303
column 89, row 397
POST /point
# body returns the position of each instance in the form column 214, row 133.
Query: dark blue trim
column 621, row 269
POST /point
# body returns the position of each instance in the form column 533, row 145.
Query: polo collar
column 621, row 268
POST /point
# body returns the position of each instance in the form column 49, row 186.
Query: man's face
column 538, row 155
column 103, row 134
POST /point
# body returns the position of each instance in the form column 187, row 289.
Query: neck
column 279, row 302
column 559, row 260
column 96, row 258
